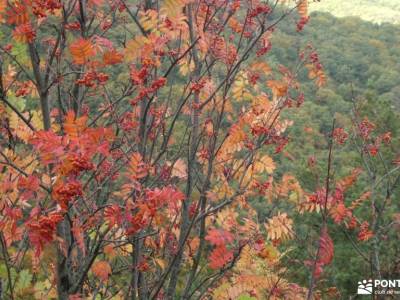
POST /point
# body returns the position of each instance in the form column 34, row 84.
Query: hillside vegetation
column 362, row 63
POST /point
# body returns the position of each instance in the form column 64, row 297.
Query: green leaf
column 246, row 297
column 20, row 51
column 18, row 102
column 24, row 280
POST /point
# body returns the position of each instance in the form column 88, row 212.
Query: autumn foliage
column 134, row 137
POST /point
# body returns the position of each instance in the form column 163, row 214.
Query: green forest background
column 362, row 62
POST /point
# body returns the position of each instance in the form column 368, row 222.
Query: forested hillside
column 378, row 11
column 362, row 65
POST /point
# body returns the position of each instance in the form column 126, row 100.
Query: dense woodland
column 361, row 61
column 196, row 150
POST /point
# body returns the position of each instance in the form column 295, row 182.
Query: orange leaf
column 24, row 33
column 137, row 167
column 3, row 6
column 112, row 57
column 74, row 127
column 302, row 8
column 193, row 245
column 102, row 270
column 365, row 234
column 109, row 251
column 278, row 88
column 18, row 13
column 338, row 212
column 82, row 50
column 349, row 180
column 360, row 200
column 325, row 248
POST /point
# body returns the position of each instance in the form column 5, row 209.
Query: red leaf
column 219, row 237
column 64, row 192
column 41, row 230
column 30, row 183
column 325, row 248
column 113, row 215
column 318, row 267
column 340, row 136
column 49, row 145
column 18, row 13
column 219, row 257
column 339, row 212
column 365, row 234
column 79, row 236
column 365, row 128
column 168, row 195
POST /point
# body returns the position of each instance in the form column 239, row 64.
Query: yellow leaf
column 239, row 90
column 137, row 167
column 149, row 20
column 260, row 66
column 44, row 290
column 134, row 47
column 278, row 88
column 270, row 254
column 186, row 66
column 261, row 104
column 279, row 227
column 224, row 190
column 19, row 127
column 172, row 8
column 160, row 262
column 179, row 169
column 37, row 120
column 264, row 164
column 125, row 250
column 226, row 218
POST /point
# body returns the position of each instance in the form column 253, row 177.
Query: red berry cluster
column 302, row 22
column 90, row 79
